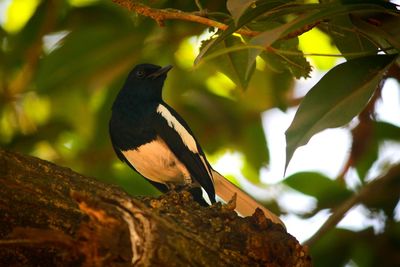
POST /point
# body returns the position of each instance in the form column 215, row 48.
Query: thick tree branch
column 51, row 216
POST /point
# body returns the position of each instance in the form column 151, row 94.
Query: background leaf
column 86, row 71
column 327, row 191
column 329, row 105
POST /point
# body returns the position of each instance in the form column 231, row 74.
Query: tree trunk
column 52, row 216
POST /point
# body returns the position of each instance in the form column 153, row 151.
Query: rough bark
column 52, row 216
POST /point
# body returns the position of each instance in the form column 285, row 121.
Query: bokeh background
column 62, row 62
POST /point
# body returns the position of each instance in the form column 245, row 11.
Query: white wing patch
column 187, row 138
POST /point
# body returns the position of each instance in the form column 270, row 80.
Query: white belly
column 156, row 162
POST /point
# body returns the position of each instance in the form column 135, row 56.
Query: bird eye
column 140, row 73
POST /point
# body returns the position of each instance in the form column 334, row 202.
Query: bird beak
column 160, row 72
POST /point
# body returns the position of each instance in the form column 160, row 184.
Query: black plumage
column 140, row 117
column 155, row 141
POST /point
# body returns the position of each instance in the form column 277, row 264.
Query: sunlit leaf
column 27, row 40
column 221, row 85
column 316, row 41
column 18, row 13
column 328, row 105
column 231, row 64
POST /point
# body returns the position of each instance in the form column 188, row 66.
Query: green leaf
column 277, row 9
column 298, row 65
column 231, row 63
column 246, row 18
column 328, row 192
column 339, row 96
column 386, row 131
column 348, row 39
column 387, row 200
column 388, row 29
column 368, row 157
column 267, row 38
column 238, row 7
column 336, row 239
column 236, row 62
column 264, row 39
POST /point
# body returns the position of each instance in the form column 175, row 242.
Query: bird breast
column 155, row 161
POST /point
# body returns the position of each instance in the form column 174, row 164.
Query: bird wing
column 175, row 132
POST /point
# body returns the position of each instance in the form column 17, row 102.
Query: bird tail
column 245, row 205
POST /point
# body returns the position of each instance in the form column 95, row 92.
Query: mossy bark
column 52, row 216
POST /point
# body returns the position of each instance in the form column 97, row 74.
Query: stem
column 351, row 54
column 199, row 6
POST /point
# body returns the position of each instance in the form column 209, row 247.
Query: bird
column 155, row 141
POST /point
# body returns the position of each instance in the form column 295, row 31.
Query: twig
column 160, row 15
column 373, row 187
column 199, row 6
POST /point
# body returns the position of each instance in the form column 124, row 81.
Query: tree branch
column 160, row 15
column 52, row 216
column 379, row 186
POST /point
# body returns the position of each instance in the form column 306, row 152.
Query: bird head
column 144, row 83
column 148, row 72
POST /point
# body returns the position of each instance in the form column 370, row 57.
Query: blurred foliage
column 63, row 61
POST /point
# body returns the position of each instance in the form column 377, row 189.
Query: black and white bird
column 155, row 141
